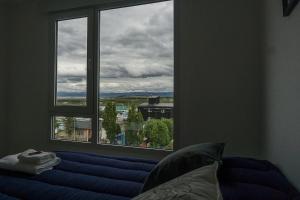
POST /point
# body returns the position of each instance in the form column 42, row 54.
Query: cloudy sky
column 136, row 50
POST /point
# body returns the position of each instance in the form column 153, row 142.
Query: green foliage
column 118, row 129
column 134, row 126
column 157, row 133
column 69, row 125
column 170, row 125
column 109, row 121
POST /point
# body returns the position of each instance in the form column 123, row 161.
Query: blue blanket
column 251, row 179
column 83, row 176
column 80, row 176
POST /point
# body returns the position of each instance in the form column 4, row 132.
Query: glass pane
column 72, row 129
column 72, row 62
column 136, row 76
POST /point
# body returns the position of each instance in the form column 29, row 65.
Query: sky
column 136, row 50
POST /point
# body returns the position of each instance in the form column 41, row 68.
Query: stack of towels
column 30, row 161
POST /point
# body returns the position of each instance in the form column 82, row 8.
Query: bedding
column 80, row 176
column 199, row 184
column 13, row 163
column 183, row 161
column 251, row 179
column 83, row 176
column 5, row 197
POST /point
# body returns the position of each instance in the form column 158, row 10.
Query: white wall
column 282, row 62
column 3, row 74
column 218, row 77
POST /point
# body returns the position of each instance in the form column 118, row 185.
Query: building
column 155, row 109
column 121, row 108
column 83, row 129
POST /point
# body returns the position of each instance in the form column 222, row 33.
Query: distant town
column 138, row 120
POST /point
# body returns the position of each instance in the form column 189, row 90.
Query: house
column 156, row 110
column 83, row 130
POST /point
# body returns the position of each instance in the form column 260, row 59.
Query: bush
column 170, row 125
column 157, row 133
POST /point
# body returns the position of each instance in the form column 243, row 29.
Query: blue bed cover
column 84, row 176
column 80, row 176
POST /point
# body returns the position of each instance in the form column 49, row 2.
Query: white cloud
column 150, row 84
column 136, row 50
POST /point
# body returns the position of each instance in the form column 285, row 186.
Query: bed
column 89, row 176
column 251, row 179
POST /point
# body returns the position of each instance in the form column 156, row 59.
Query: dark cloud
column 70, row 79
column 142, row 44
column 73, row 49
column 67, row 30
column 140, row 51
column 72, row 39
column 122, row 72
column 136, row 47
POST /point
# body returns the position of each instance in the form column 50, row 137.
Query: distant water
column 116, row 95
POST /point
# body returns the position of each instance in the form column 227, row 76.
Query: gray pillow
column 199, row 184
column 183, row 161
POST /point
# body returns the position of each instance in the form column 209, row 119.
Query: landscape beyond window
column 136, row 76
column 133, row 102
column 72, row 62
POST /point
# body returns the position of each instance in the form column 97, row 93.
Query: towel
column 32, row 156
column 12, row 163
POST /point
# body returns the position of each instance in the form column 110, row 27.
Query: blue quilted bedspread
column 251, row 179
column 82, row 176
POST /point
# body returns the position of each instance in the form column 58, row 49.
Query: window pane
column 136, row 76
column 72, row 62
column 72, row 129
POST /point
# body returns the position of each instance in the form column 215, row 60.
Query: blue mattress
column 83, row 176
column 80, row 176
column 251, row 179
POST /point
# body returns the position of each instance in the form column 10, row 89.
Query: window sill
column 108, row 149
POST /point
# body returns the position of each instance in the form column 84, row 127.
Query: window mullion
column 90, row 61
column 93, row 71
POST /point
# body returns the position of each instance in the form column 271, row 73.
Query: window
column 113, row 80
column 71, row 87
column 72, row 129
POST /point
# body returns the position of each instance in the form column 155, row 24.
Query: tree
column 170, row 125
column 69, row 125
column 134, row 126
column 118, row 130
column 109, row 121
column 157, row 133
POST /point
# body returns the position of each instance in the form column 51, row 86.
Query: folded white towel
column 32, row 156
column 12, row 163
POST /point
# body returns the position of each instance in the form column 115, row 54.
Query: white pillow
column 199, row 184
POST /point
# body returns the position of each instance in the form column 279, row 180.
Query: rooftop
column 159, row 105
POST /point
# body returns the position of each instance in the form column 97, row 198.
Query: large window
column 114, row 76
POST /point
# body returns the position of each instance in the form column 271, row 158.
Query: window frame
column 93, row 70
column 82, row 110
